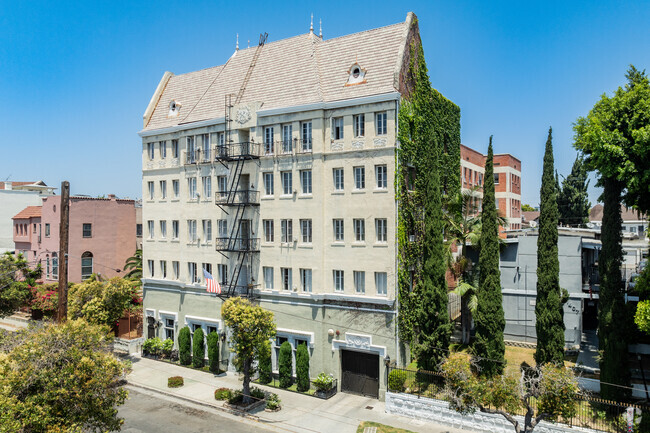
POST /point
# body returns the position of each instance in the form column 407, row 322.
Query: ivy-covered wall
column 429, row 140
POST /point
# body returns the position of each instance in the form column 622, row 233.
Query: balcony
column 244, row 197
column 238, row 244
column 235, row 151
column 290, row 147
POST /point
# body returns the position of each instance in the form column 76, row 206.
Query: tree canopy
column 573, row 200
column 102, row 302
column 16, row 281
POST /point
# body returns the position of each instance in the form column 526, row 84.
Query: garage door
column 360, row 373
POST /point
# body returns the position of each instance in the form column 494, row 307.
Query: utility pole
column 62, row 311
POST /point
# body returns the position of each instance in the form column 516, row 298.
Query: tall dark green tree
column 489, row 346
column 549, row 322
column 615, row 140
column 573, row 201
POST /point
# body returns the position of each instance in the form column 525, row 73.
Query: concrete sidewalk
column 300, row 413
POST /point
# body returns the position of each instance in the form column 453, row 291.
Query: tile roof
column 530, row 215
column 299, row 70
column 29, row 212
column 627, row 214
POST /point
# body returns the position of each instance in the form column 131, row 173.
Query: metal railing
column 313, row 389
column 237, row 244
column 242, row 150
column 237, row 197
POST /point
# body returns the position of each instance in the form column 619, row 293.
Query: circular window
column 355, row 72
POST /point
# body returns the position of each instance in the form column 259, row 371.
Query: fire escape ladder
column 249, row 72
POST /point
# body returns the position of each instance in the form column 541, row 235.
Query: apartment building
column 507, row 182
column 275, row 172
column 102, row 235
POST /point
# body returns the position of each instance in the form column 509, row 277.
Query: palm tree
column 134, row 265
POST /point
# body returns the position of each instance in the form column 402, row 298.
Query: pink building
column 102, row 236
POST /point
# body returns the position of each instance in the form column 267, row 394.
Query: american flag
column 213, row 285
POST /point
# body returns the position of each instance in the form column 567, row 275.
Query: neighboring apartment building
column 635, row 225
column 102, row 235
column 507, row 182
column 14, row 197
column 275, row 173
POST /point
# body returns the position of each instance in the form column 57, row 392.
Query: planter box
column 248, row 408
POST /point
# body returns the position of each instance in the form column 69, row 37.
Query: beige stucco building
column 275, row 173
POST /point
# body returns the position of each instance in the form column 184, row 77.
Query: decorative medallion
column 379, row 142
column 243, row 115
column 337, row 145
column 357, row 144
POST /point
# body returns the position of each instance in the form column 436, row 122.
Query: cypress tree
column 185, row 346
column 285, row 365
column 198, row 349
column 302, row 368
column 548, row 307
column 489, row 347
column 573, row 200
column 264, row 363
column 213, row 352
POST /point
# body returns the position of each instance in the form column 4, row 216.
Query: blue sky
column 76, row 77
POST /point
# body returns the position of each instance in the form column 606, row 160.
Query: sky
column 76, row 77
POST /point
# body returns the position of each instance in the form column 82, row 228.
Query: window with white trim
column 191, row 150
column 381, row 229
column 162, row 147
column 287, row 145
column 285, row 275
column 163, row 229
column 222, row 185
column 176, row 269
column 359, row 229
column 338, row 230
column 359, row 177
column 86, row 265
column 496, row 178
column 150, row 150
column 192, row 272
column 381, row 176
column 174, row 148
column 338, row 280
column 337, row 128
column 305, row 231
column 306, row 136
column 338, row 179
column 175, row 225
column 381, row 283
column 169, row 324
column 191, row 231
column 268, row 140
column 222, row 228
column 205, row 150
column 151, row 269
column 286, row 231
column 268, row 277
column 305, row 280
column 163, row 189
column 359, row 121
column 207, row 231
column 222, row 272
column 287, row 183
column 191, row 188
column 268, row 230
column 268, row 184
column 207, row 187
column 163, row 269
column 305, row 181
column 380, row 123
column 150, row 188
column 151, row 229
column 176, row 188
column 359, row 281
column 87, row 230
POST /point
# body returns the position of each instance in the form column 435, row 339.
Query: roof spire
column 311, row 25
column 237, row 46
column 249, row 43
column 320, row 32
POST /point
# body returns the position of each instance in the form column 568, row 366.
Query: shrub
column 257, row 393
column 175, row 382
column 213, row 352
column 152, row 346
column 273, row 402
column 198, row 349
column 396, row 380
column 323, row 382
column 264, row 363
column 285, row 365
column 236, row 398
column 184, row 346
column 167, row 346
column 222, row 394
column 302, row 368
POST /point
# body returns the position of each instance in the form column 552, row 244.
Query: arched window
column 55, row 266
column 86, row 265
column 47, row 267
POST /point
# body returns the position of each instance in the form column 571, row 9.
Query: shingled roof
column 300, row 70
column 28, row 212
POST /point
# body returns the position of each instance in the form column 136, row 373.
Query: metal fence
column 313, row 389
column 592, row 412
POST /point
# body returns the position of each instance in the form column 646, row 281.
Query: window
column 359, row 281
column 207, row 267
column 87, row 230
column 207, row 232
column 338, row 280
column 381, row 176
column 176, row 188
column 480, row 179
column 286, row 229
column 338, row 179
column 151, row 190
column 163, row 269
column 163, row 229
column 337, row 128
column 359, row 125
column 222, row 228
column 163, row 189
column 305, row 280
column 286, row 183
column 287, row 131
column 380, row 123
column 162, row 147
column 169, row 325
column 285, row 274
column 47, row 230
column 174, row 148
column 268, row 183
column 55, row 267
column 338, row 230
column 191, row 150
column 305, row 231
column 306, row 136
column 305, row 181
column 268, row 230
column 496, row 178
column 138, row 230
column 191, row 230
column 268, row 277
column 207, row 187
column 359, row 229
column 222, row 273
column 151, row 229
column 191, row 187
column 381, row 228
column 380, row 283
column 192, row 274
column 205, row 150
column 86, row 265
column 150, row 267
column 150, row 150
column 222, row 185
column 47, row 267
column 359, row 177
column 176, row 269
column 268, row 140
column 175, row 229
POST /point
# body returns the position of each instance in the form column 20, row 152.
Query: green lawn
column 294, row 387
column 381, row 428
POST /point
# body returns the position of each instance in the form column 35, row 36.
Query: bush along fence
column 323, row 386
column 163, row 350
column 592, row 412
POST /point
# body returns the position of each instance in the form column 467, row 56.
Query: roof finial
column 311, row 25
column 237, row 46
column 320, row 32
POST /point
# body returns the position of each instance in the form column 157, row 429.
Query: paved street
column 146, row 413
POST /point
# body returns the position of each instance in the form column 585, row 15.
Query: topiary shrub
column 198, row 349
column 323, row 382
column 285, row 365
column 273, row 402
column 152, row 346
column 302, row 368
column 396, row 380
column 222, row 394
column 175, row 382
column 185, row 346
column 213, row 352
column 264, row 363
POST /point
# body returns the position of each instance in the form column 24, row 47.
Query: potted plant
column 324, row 384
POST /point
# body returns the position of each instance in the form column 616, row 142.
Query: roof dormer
column 174, row 108
column 356, row 75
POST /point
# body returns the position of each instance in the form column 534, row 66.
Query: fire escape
column 238, row 200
